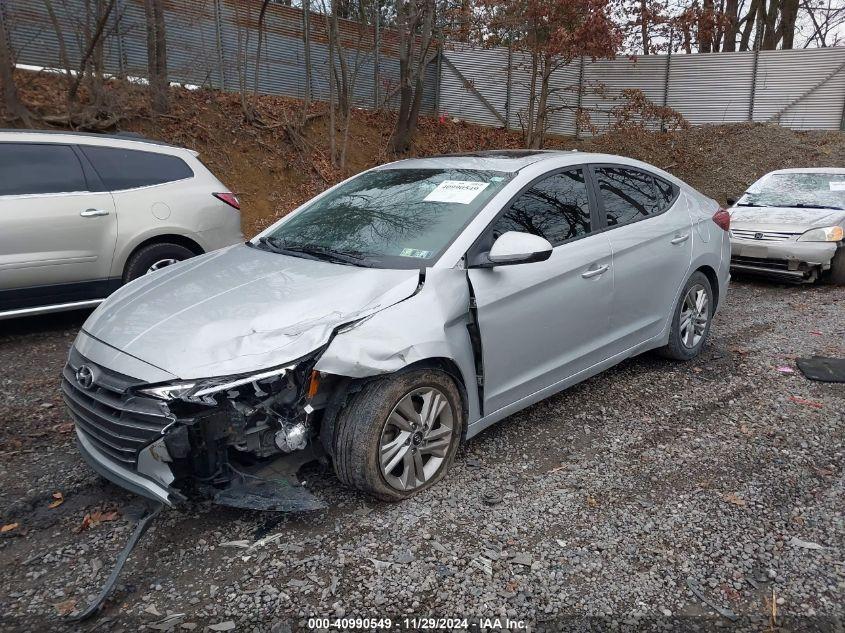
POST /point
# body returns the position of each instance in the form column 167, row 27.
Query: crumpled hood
column 241, row 309
column 785, row 219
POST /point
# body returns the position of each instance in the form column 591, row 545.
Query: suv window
column 129, row 168
column 32, row 168
column 627, row 194
column 556, row 208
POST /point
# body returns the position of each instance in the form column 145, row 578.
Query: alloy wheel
column 162, row 263
column 695, row 314
column 416, row 438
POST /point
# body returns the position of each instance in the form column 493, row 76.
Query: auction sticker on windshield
column 460, row 191
column 837, row 185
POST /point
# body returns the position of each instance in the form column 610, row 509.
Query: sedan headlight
column 200, row 389
column 824, row 234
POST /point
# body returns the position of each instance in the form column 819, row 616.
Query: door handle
column 680, row 239
column 93, row 213
column 595, row 272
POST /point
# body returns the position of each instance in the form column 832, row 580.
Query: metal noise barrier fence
column 800, row 89
column 213, row 43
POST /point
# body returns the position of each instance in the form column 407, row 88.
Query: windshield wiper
column 802, row 205
column 310, row 251
column 748, row 204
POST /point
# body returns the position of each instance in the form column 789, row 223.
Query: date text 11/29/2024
column 414, row 623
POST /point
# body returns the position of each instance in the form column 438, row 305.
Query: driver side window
column 556, row 208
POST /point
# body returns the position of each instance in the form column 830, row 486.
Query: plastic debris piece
column 785, row 369
column 797, row 542
column 822, row 368
column 699, row 593
column 806, row 403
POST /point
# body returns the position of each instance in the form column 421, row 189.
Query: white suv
column 82, row 214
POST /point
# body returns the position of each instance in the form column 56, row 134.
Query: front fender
column 432, row 324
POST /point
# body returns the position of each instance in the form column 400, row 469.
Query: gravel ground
column 611, row 499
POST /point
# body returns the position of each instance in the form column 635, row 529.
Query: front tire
column 399, row 434
column 691, row 320
column 836, row 274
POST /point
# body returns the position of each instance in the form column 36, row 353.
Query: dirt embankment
column 272, row 174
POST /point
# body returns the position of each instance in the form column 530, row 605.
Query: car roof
column 511, row 161
column 810, row 170
column 63, row 136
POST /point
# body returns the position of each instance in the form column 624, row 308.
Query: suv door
column 651, row 235
column 545, row 321
column 57, row 233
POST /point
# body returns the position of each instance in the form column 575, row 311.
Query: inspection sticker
column 460, row 191
column 415, row 252
column 838, row 185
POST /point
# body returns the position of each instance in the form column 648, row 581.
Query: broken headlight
column 201, row 390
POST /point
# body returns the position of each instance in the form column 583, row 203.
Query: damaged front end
column 237, row 440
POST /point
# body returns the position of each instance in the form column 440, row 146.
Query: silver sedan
column 791, row 224
column 390, row 318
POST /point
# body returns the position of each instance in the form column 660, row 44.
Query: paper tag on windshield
column 460, row 191
column 837, row 186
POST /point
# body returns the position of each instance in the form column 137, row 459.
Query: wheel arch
column 713, row 278
column 344, row 386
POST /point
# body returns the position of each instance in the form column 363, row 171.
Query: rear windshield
column 392, row 218
column 796, row 190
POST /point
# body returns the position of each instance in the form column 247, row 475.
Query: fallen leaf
column 58, row 499
column 591, row 501
column 732, row 498
column 805, row 402
column 95, row 518
column 9, row 527
column 66, row 608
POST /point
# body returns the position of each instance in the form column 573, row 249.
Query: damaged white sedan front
column 389, row 319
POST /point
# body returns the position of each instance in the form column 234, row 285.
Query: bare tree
column 92, row 51
column 414, row 29
column 157, row 56
column 15, row 109
column 826, row 22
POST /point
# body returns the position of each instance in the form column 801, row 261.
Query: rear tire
column 836, row 274
column 691, row 320
column 154, row 257
column 368, row 437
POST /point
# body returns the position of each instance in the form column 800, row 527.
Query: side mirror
column 731, row 201
column 515, row 247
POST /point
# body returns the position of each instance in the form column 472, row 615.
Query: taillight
column 229, row 198
column 722, row 219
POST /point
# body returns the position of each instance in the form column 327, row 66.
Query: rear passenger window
column 555, row 208
column 39, row 168
column 667, row 193
column 128, row 168
column 627, row 194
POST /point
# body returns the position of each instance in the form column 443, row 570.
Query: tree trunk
column 11, row 100
column 749, row 18
column 257, row 75
column 705, row 28
column 306, row 45
column 644, row 26
column 93, row 43
column 788, row 16
column 413, row 57
column 731, row 26
column 157, row 56
column 768, row 41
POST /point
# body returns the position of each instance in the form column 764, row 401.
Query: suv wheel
column 154, row 257
column 691, row 319
column 399, row 434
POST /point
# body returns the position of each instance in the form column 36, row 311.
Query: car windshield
column 806, row 190
column 388, row 218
